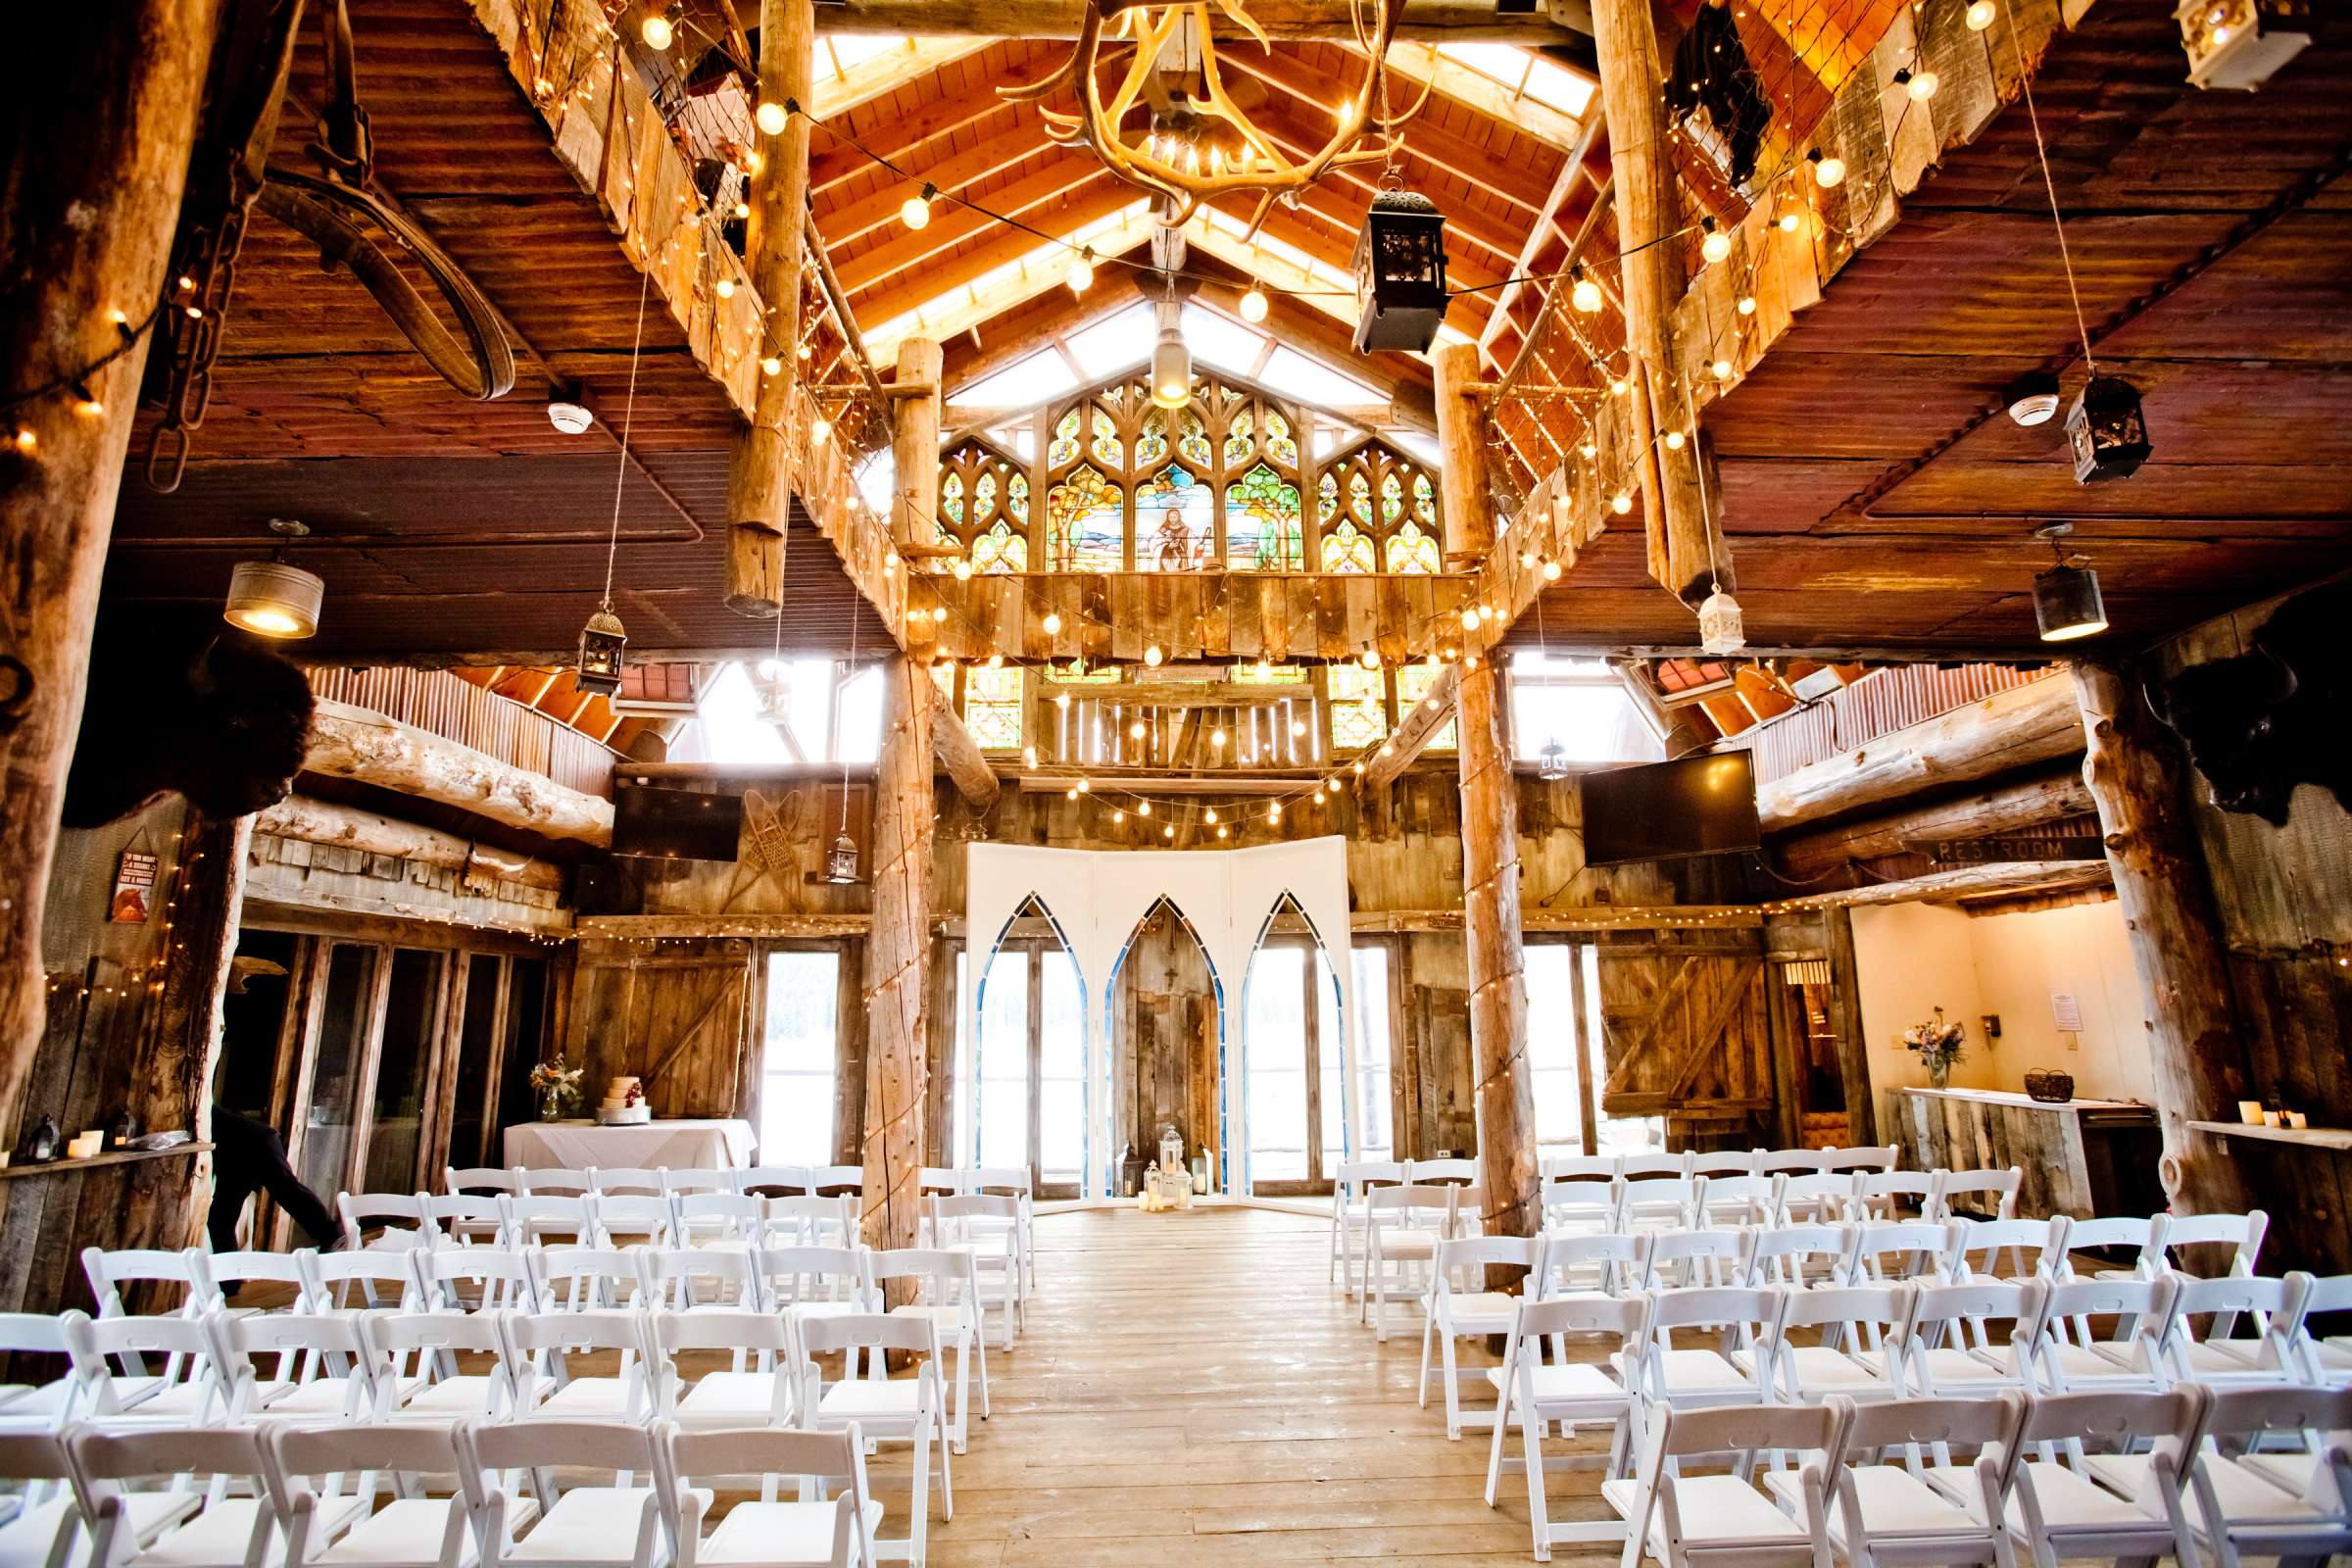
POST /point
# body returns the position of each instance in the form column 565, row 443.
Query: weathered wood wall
column 2284, row 900
column 680, row 1017
column 1163, row 1030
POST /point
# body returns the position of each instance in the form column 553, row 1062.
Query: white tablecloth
column 687, row 1145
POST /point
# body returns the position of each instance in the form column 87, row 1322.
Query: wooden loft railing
column 442, row 704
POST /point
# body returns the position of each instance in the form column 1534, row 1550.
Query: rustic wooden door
column 1164, row 1040
column 678, row 1023
column 1686, row 1034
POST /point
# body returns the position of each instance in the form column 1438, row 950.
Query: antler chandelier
column 1198, row 144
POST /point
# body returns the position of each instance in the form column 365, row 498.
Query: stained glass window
column 1085, row 517
column 942, row 676
column 1000, row 549
column 1016, row 496
column 1191, row 441
column 1345, row 548
column 992, row 706
column 1412, row 551
column 1175, row 520
column 1360, row 497
column 983, row 497
column 1389, row 515
column 1280, row 445
column 1107, row 448
column 1392, row 496
column 1425, row 499
column 984, row 507
column 951, row 496
column 1327, row 497
column 1261, row 524
column 1413, row 682
column 1240, row 440
column 1064, row 446
column 1275, row 675
column 1360, row 705
column 1152, row 446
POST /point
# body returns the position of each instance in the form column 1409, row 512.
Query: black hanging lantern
column 1552, row 762
column 841, row 861
column 1400, row 274
column 601, row 643
column 2106, row 430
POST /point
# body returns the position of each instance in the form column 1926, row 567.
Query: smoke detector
column 2032, row 398
column 573, row 419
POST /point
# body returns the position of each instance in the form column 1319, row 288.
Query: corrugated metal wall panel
column 1879, row 704
column 440, row 704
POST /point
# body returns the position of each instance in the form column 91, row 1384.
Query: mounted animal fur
column 212, row 716
column 2260, row 722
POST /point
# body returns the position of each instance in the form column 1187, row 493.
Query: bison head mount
column 2258, row 724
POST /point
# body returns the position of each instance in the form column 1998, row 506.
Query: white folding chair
column 2326, row 1360
column 1848, row 1329
column 1578, row 1203
column 173, row 1281
column 697, row 1179
column 1883, row 1196
column 938, row 1180
column 1819, row 1198
column 374, row 1481
column 756, row 1387
column 1438, row 1173
column 735, row 1221
column 1352, row 1180
column 1739, row 1322
column 573, row 1520
column 909, row 1409
column 587, row 1279
column 395, row 1219
column 1971, row 1338
column 636, row 1181
column 1800, row 1256
column 947, row 1292
column 2248, row 1510
column 1726, row 1162
column 421, row 1379
column 135, row 1373
column 815, row 1281
column 552, row 1183
column 629, row 1219
column 821, row 1180
column 40, row 1407
column 1533, row 1393
column 1653, row 1165
column 2072, row 1357
column 1579, row 1168
column 2009, row 1248
column 1919, row 1251
column 1738, row 1200
column 467, row 1219
column 987, row 1227
column 805, row 1220
column 1971, row 1194
column 1863, row 1158
column 483, row 1181
column 1790, row 1162
column 1402, row 1227
column 240, row 1524
column 2266, row 1358
column 1576, row 1264
column 699, row 1279
column 765, row 1532
column 2058, row 1511
column 537, row 1219
column 225, row 1275
column 47, row 1528
column 383, row 1279
column 1012, row 1181
column 1698, row 1521
column 778, row 1181
column 1661, row 1202
column 540, row 1346
column 308, row 1367
column 1884, row 1513
column 2240, row 1234
column 2140, row 1242
column 1686, row 1257
column 470, row 1279
column 1459, row 1304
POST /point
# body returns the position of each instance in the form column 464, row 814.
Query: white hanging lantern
column 1719, row 628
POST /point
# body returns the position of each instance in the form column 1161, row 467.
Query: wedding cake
column 623, row 1104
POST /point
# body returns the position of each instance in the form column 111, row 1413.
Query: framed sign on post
column 134, row 888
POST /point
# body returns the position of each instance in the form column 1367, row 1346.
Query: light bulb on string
column 1748, row 304
column 1674, row 440
column 963, row 569
column 1981, row 13
column 1081, row 273
column 1920, row 84
column 1722, row 369
column 915, row 210
column 1119, row 818
column 1371, row 659
column 1584, row 293
column 1153, row 656
column 772, row 118
column 1210, row 816
column 656, row 31
column 1143, row 808
column 1621, row 502
column 1717, row 244
column 1168, row 832
column 1050, row 625
column 1254, row 307
column 1135, row 730
column 1224, row 832
column 1829, row 169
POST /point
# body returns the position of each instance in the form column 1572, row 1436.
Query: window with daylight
column 1413, row 682
column 1376, row 1138
column 795, row 1062
column 1020, row 1096
column 1129, row 486
column 1297, row 1118
column 992, row 706
column 1360, row 705
column 984, row 505
column 1377, row 511
column 1581, row 706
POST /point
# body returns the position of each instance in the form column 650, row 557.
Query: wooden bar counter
column 2081, row 1158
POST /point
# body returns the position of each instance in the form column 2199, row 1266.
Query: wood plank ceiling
column 1870, row 499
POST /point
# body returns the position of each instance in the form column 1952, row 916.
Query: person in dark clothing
column 249, row 1156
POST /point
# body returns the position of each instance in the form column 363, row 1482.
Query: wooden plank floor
column 1190, row 1391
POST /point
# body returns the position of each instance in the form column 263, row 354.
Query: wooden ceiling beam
column 912, row 258
column 1014, row 333
column 1964, row 882
column 1540, row 235
column 847, row 224
column 888, row 71
column 1561, row 22
column 946, row 312
column 1422, row 725
column 899, row 137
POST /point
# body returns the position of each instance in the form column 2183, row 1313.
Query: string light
column 1979, row 15
column 1584, row 293
column 1210, row 816
column 1254, row 307
column 1717, row 244
column 656, row 33
column 772, row 118
column 1081, row 275
column 915, row 210
column 1621, row 502
column 1151, row 656
column 1143, row 808
column 1748, row 304
column 1829, row 169
column 1052, row 624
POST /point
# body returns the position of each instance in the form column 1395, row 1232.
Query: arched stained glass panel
column 1360, row 497
column 1327, row 497
column 1175, row 521
column 1105, row 447
column 1085, row 521
column 1388, row 500
column 1192, row 440
column 1280, row 445
column 1345, row 548
column 951, row 496
column 1392, row 496
column 1016, row 499
column 1152, row 444
column 1239, row 438
column 1409, row 549
column 1425, row 499
column 1000, row 549
column 983, row 497
column 1064, row 446
column 1261, row 524
column 974, row 480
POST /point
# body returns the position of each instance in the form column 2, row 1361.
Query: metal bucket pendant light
column 603, row 637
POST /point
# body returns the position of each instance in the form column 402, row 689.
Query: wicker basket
column 2045, row 1082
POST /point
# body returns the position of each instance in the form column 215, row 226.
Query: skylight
column 1312, row 382
column 849, row 49
column 1527, row 73
column 1036, row 379
column 1114, row 342
column 1221, row 341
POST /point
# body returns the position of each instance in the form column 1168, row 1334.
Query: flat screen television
column 1671, row 810
column 686, row 824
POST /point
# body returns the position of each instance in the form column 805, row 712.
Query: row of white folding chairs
column 1357, row 1178
column 404, row 1368
column 1619, row 1201
column 2123, row 1475
column 1723, row 1162
column 1402, row 1228
column 469, row 1494
column 410, row 1219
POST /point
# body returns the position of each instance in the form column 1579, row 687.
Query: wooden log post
column 316, row 821
column 1845, row 1016
column 1422, row 725
column 966, row 765
column 915, row 414
column 100, row 137
column 2194, row 1048
column 174, row 1080
column 759, row 476
column 1461, row 436
column 1506, row 1116
column 1685, row 530
column 898, row 961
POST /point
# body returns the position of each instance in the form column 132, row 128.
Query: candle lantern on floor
column 1400, row 274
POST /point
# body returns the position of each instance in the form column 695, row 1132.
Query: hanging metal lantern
column 1552, row 762
column 2241, row 44
column 771, row 693
column 841, row 861
column 601, row 643
column 1400, row 274
column 1719, row 625
column 2106, row 430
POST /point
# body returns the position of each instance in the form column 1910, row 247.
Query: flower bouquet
column 557, row 1083
column 1938, row 1046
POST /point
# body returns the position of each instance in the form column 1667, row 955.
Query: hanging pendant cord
column 629, row 416
column 844, row 750
column 2041, row 152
